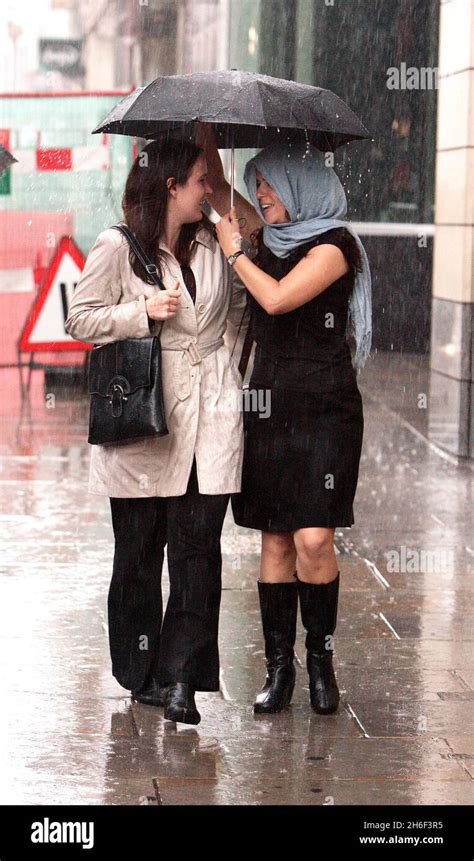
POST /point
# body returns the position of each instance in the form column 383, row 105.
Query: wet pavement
column 404, row 733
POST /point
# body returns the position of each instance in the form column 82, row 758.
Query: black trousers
column 182, row 647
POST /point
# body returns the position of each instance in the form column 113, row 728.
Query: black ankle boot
column 278, row 605
column 179, row 704
column 318, row 602
column 151, row 694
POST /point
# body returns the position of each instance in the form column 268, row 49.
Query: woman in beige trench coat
column 174, row 489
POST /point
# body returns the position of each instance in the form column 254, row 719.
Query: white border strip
column 17, row 280
column 392, row 228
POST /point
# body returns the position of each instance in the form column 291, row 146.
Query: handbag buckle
column 117, row 393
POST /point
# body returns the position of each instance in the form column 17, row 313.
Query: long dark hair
column 145, row 200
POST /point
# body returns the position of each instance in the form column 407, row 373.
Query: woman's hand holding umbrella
column 220, row 196
column 228, row 234
column 265, row 289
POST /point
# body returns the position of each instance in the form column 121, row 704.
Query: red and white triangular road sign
column 44, row 328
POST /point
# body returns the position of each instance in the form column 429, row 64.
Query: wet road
column 404, row 642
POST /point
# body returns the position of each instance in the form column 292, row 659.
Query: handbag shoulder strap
column 138, row 251
column 248, row 341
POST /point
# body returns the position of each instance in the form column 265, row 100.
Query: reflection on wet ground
column 404, row 642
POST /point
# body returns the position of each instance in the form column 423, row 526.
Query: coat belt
column 195, row 351
column 192, row 353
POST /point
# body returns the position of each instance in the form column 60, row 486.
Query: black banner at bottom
column 66, row 831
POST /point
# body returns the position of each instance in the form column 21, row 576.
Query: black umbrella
column 245, row 108
column 6, row 159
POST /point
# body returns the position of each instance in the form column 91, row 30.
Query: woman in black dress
column 308, row 283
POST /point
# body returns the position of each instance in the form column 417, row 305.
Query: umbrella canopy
column 6, row 159
column 246, row 109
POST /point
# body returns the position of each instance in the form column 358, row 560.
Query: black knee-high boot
column 318, row 602
column 278, row 605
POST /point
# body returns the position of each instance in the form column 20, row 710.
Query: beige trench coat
column 201, row 395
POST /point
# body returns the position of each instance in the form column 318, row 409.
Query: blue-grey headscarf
column 315, row 201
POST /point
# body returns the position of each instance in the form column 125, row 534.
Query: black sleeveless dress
column 303, row 417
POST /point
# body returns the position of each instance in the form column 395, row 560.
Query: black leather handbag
column 125, row 381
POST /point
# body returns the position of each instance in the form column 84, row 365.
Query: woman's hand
column 220, row 196
column 164, row 304
column 228, row 233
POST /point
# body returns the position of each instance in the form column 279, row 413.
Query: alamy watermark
column 241, row 400
column 412, row 77
column 406, row 560
column 47, row 831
